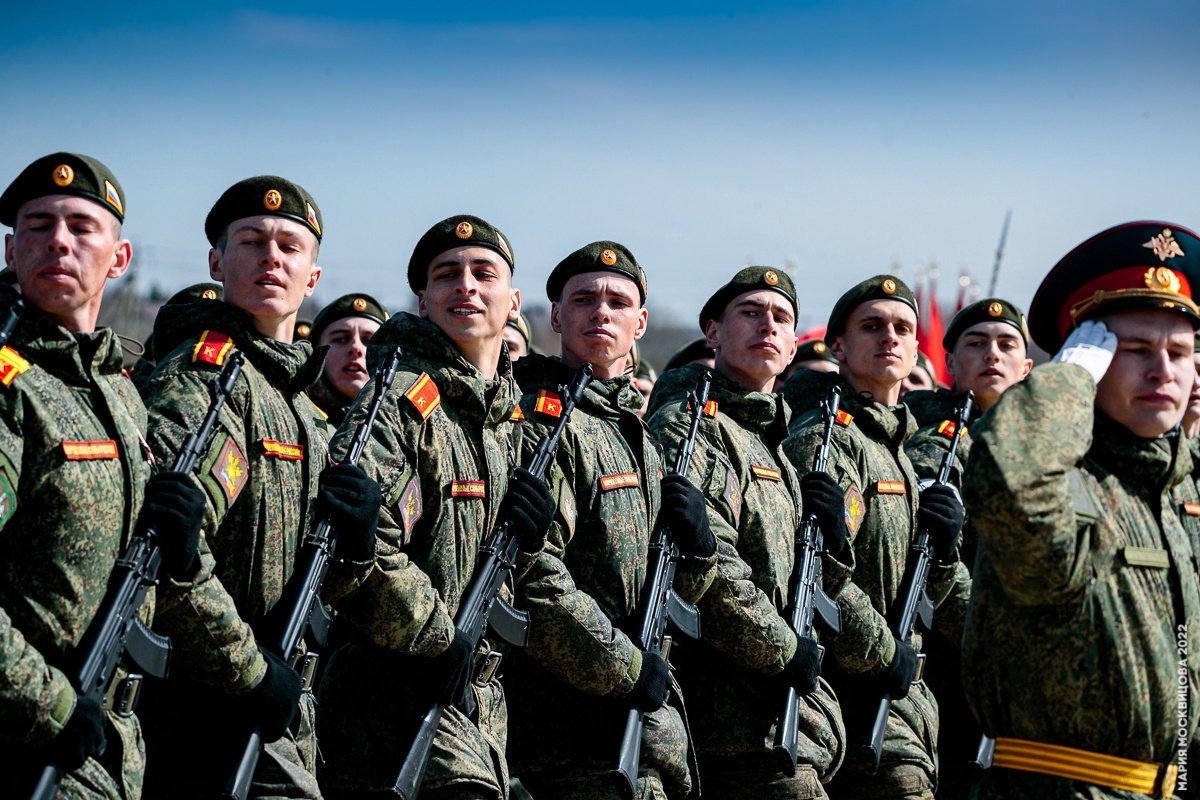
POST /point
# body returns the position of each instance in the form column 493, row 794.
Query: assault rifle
column 658, row 602
column 481, row 606
column 913, row 604
column 116, row 628
column 808, row 599
column 301, row 598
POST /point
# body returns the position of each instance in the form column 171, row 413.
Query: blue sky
column 839, row 137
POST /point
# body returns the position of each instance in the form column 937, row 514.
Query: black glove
column 174, row 508
column 898, row 677
column 452, row 671
column 82, row 737
column 941, row 513
column 653, row 684
column 350, row 501
column 687, row 516
column 820, row 495
column 528, row 508
column 271, row 705
column 802, row 671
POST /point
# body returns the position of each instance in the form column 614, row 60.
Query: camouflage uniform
column 582, row 594
column 1072, row 633
column 260, row 479
column 441, row 450
column 333, row 404
column 753, row 497
column 867, row 458
column 73, row 467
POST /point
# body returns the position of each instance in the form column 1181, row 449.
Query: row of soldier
column 1082, row 533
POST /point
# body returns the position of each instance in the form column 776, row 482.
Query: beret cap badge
column 63, row 175
column 464, row 230
column 1164, row 245
column 208, row 294
column 359, row 304
column 1162, row 279
column 770, row 278
column 272, row 200
column 889, row 286
column 819, row 348
column 608, row 257
column 995, row 309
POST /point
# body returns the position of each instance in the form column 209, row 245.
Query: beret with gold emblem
column 749, row 279
column 1138, row 264
column 63, row 173
column 697, row 350
column 814, row 350
column 349, row 305
column 881, row 287
column 267, row 195
column 603, row 256
column 463, row 230
column 990, row 309
column 521, row 326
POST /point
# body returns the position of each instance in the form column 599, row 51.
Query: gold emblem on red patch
column 548, row 403
column 63, row 175
column 410, row 505
column 464, row 230
column 359, row 304
column 856, row 509
column 1164, row 245
column 608, row 257
column 424, row 395
column 844, row 418
column 995, row 309
column 12, row 364
column 770, row 278
column 946, row 428
column 272, row 200
column 230, row 469
column 212, row 347
column 889, row 286
column 1162, row 279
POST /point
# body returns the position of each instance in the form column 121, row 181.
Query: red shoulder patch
column 211, row 348
column 424, row 395
column 11, row 365
column 947, row 428
column 548, row 403
column 844, row 419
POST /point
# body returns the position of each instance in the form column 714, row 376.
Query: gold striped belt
column 1156, row 780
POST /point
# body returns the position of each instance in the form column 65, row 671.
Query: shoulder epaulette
column 211, row 348
column 710, row 408
column 844, row 418
column 548, row 403
column 946, row 428
column 11, row 364
column 424, row 395
column 517, row 414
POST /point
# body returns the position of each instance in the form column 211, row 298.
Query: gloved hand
column 898, row 677
column 81, row 738
column 941, row 513
column 350, row 501
column 174, row 507
column 528, row 507
column 802, row 671
column 271, row 705
column 687, row 515
column 653, row 684
column 820, row 495
column 1090, row 346
column 452, row 671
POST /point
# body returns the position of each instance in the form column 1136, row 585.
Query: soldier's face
column 878, row 348
column 469, row 295
column 268, row 267
column 1146, row 387
column 515, row 342
column 987, row 359
column 755, row 339
column 1192, row 414
column 600, row 316
column 346, row 364
column 62, row 250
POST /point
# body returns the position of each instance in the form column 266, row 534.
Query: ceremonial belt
column 1155, row 780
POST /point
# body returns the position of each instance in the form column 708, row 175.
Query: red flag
column 931, row 330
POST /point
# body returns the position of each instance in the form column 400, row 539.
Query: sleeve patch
column 890, row 487
column 11, row 365
column 733, row 496
column 410, row 505
column 424, row 395
column 844, row 419
column 1192, row 509
column 273, row 448
column 620, row 480
column 566, row 506
column 211, row 348
column 856, row 509
column 100, row 450
column 8, row 498
column 548, row 403
column 766, row 473
column 230, row 470
column 476, row 489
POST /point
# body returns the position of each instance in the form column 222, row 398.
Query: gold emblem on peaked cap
column 770, row 278
column 208, row 294
column 888, row 286
column 359, row 304
column 608, row 257
column 995, row 309
column 819, row 348
column 63, row 175
column 1164, row 245
column 1162, row 279
column 272, row 200
column 464, row 230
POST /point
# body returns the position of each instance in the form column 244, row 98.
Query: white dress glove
column 1090, row 346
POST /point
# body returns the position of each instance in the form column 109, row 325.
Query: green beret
column 63, row 173
column 749, row 279
column 641, row 367
column 521, row 326
column 596, row 257
column 349, row 305
column 990, row 309
column 814, row 350
column 197, row 291
column 461, row 231
column 267, row 195
column 881, row 287
column 692, row 351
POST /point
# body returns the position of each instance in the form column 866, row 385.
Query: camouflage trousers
column 114, row 775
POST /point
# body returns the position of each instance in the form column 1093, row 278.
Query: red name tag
column 90, row 451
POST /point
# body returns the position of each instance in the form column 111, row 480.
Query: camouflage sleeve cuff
column 253, row 676
column 63, row 708
column 635, row 670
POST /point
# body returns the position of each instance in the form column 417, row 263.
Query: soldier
column 263, row 492
column 813, row 354
column 345, row 326
column 580, row 664
column 442, row 450
column 144, row 368
column 518, row 336
column 1080, row 662
column 872, row 333
column 920, row 378
column 748, row 656
column 695, row 352
column 73, row 467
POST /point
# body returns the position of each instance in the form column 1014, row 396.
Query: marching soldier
column 584, row 587
column 872, row 333
column 1080, row 662
column 519, row 338
column 345, row 326
column 144, row 367
column 263, row 489
column 442, row 449
column 748, row 655
column 73, row 468
column 813, row 354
